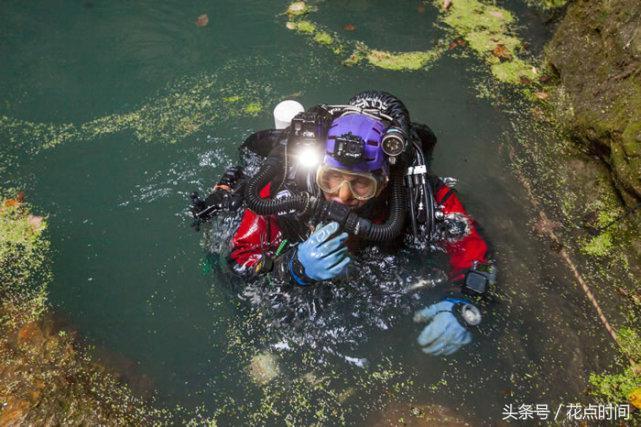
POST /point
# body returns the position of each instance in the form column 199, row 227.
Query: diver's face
column 344, row 184
column 345, row 197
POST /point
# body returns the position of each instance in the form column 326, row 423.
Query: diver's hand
column 444, row 335
column 322, row 256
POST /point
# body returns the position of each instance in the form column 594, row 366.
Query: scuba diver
column 334, row 179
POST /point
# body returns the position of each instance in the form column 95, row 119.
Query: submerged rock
column 297, row 8
column 202, row 20
column 14, row 413
column 263, row 368
column 30, row 335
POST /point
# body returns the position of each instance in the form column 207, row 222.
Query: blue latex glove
column 444, row 335
column 322, row 256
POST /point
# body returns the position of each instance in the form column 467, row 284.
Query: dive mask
column 363, row 185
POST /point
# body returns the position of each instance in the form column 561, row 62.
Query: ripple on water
column 338, row 316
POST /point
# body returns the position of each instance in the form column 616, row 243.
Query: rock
column 36, row 222
column 263, row 368
column 297, row 8
column 593, row 51
column 14, row 413
column 30, row 335
column 202, row 20
column 542, row 95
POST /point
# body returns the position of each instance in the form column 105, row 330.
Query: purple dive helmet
column 354, row 144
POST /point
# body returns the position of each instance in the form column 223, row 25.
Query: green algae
column 188, row 106
column 44, row 378
column 484, row 27
column 618, row 387
column 297, row 8
column 324, row 38
column 403, row 61
column 615, row 387
column 306, row 27
column 603, row 243
column 600, row 245
column 547, row 4
column 253, row 108
column 24, row 270
column 630, row 343
column 515, row 71
column 388, row 60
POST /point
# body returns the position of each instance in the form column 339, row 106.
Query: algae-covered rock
column 547, row 4
column 596, row 51
column 297, row 8
column 43, row 379
column 263, row 368
column 487, row 30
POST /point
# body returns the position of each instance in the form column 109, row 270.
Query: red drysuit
column 259, row 236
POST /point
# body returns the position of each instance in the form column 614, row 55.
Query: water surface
column 129, row 269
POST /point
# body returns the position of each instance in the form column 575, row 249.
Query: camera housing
column 349, row 149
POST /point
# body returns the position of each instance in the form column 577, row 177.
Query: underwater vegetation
column 188, row 106
column 624, row 386
column 298, row 14
column 23, row 258
column 44, row 378
column 547, row 4
column 486, row 29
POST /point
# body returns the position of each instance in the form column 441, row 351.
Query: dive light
column 393, row 143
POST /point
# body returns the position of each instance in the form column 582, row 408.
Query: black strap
column 437, row 184
column 447, row 196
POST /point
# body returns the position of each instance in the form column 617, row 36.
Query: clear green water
column 128, row 268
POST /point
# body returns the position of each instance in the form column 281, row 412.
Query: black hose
column 387, row 104
column 428, row 195
column 332, row 211
column 271, row 168
column 264, row 141
column 410, row 196
column 395, row 223
column 303, row 203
